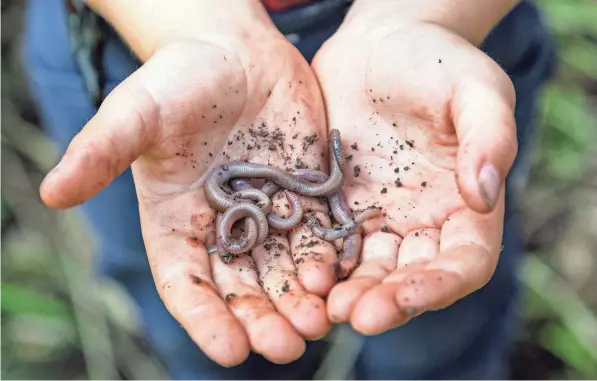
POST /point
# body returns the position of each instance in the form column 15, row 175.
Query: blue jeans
column 467, row 340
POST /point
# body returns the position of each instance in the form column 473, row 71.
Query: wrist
column 148, row 25
column 471, row 20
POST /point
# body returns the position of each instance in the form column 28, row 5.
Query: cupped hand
column 429, row 136
column 191, row 107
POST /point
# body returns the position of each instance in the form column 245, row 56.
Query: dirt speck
column 285, row 287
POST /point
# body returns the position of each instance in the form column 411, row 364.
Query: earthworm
column 366, row 214
column 269, row 188
column 337, row 202
column 256, row 228
column 311, row 175
column 338, row 206
column 263, row 201
column 345, row 229
column 238, row 184
column 217, row 248
column 219, row 200
column 244, row 186
column 333, row 233
column 296, row 208
column 340, row 210
column 275, row 221
column 351, row 250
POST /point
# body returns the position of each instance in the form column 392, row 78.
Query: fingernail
column 490, row 184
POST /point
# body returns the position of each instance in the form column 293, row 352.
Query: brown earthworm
column 256, row 228
column 219, row 200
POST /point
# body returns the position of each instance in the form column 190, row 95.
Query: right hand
column 191, row 107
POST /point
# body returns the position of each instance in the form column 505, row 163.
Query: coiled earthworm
column 295, row 217
column 219, row 200
column 243, row 187
column 255, row 219
column 275, row 221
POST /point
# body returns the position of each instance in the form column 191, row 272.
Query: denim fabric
column 468, row 340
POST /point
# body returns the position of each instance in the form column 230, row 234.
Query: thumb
column 483, row 115
column 124, row 127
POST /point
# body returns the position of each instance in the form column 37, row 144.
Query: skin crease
column 206, row 97
column 442, row 109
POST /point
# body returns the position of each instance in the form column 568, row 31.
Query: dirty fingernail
column 490, row 184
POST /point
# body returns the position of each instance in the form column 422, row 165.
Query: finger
column 306, row 312
column 483, row 115
column 376, row 311
column 182, row 274
column 314, row 257
column 269, row 333
column 128, row 123
column 124, row 127
column 418, row 246
column 378, row 257
column 469, row 251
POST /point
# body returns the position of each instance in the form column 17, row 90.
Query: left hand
column 432, row 118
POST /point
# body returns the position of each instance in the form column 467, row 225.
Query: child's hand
column 428, row 122
column 191, row 107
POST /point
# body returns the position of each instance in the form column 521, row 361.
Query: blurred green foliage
column 568, row 126
column 568, row 120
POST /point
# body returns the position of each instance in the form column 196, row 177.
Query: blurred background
column 58, row 322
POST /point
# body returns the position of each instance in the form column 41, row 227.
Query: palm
column 191, row 108
column 391, row 99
